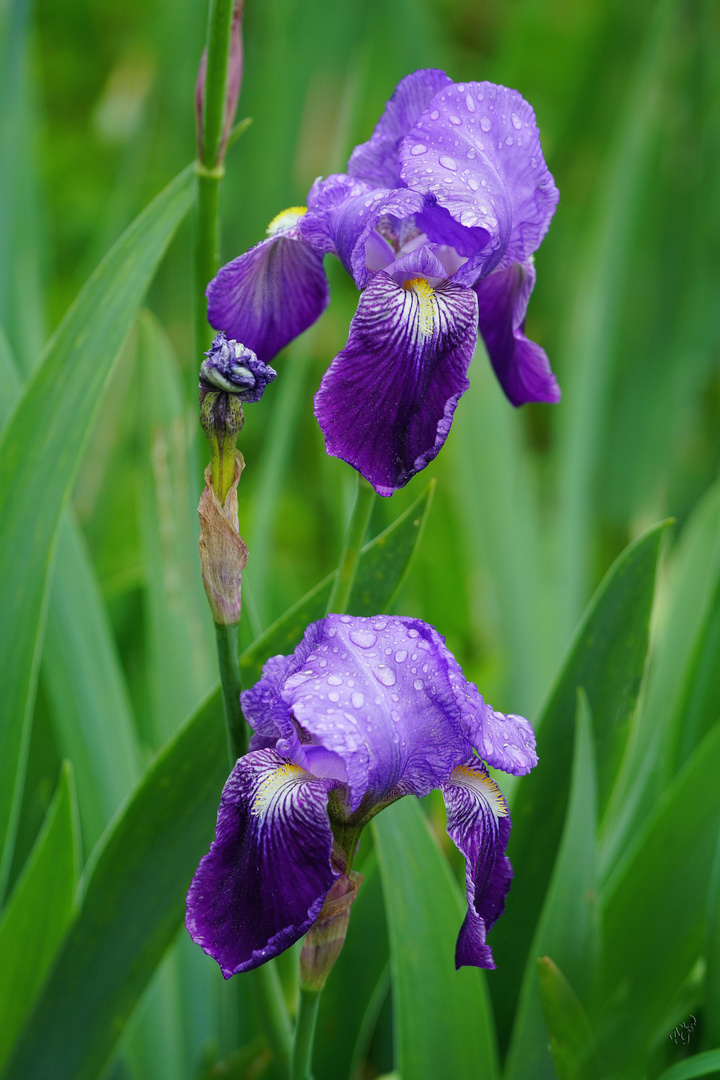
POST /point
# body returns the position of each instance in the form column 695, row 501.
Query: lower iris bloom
column 364, row 712
column 436, row 220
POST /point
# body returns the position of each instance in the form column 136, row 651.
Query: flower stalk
column 354, row 538
column 301, row 1061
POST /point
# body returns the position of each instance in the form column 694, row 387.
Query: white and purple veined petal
column 341, row 219
column 377, row 160
column 270, row 294
column 385, row 404
column 476, row 150
column 522, row 367
column 263, row 882
column 478, row 823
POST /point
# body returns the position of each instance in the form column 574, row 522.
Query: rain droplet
column 400, row 656
column 364, row 638
column 413, row 633
column 333, row 696
column 486, row 123
column 358, row 699
column 454, row 119
column 472, row 184
column 434, row 115
column 461, row 88
column 384, row 675
column 467, row 218
column 509, row 141
column 334, row 680
column 346, row 618
column 470, row 154
column 419, row 148
column 516, row 121
column 470, row 103
column 418, row 684
column 448, row 162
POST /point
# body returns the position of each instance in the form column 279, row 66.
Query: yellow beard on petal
column 285, row 219
column 426, row 303
column 272, row 784
column 484, row 784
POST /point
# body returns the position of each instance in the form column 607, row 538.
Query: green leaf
column 606, row 658
column 443, row 1018
column 653, row 910
column 138, row 879
column 567, row 929
column 133, row 905
column 382, row 568
column 38, row 912
column 571, row 1039
column 41, row 449
column 704, row 1064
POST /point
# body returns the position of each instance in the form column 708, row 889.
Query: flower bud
column 326, row 937
column 223, row 554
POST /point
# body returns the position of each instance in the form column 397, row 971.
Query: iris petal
column 476, row 149
column 386, row 402
column 377, row 160
column 269, row 295
column 522, row 367
column 478, row 823
column 263, row 882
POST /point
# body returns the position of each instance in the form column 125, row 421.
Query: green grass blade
column 38, row 912
column 606, row 658
column 567, row 929
column 571, row 1040
column 658, row 893
column 443, row 1018
column 705, row 1064
column 41, row 449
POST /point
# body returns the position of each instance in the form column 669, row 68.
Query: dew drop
column 472, row 184
column 413, row 633
column 470, row 154
column 334, row 680
column 448, row 162
column 434, row 115
column 400, row 656
column 419, row 148
column 468, row 219
column 470, row 103
column 418, row 684
column 516, row 121
column 509, row 141
column 358, row 699
column 454, row 119
column 333, row 696
column 364, row 638
column 486, row 123
column 346, row 618
column 384, row 675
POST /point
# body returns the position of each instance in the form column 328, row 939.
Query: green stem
column 340, row 595
column 207, row 248
column 216, row 72
column 302, row 1050
column 226, row 638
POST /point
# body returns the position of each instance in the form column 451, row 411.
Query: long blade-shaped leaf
column 37, row 915
column 606, row 658
column 443, row 1018
column 40, row 451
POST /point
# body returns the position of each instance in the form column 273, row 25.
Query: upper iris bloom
column 365, row 711
column 436, row 220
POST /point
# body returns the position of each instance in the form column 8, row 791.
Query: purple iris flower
column 436, row 220
column 365, row 711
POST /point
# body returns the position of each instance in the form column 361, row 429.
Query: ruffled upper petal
column 269, row 295
column 386, row 402
column 376, row 160
column 263, row 882
column 342, row 214
column 374, row 695
column 477, row 150
column 522, row 367
column 478, row 823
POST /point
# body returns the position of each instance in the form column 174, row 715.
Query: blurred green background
column 531, row 505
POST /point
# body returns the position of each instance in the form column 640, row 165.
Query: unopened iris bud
column 229, row 375
column 326, row 937
column 223, row 554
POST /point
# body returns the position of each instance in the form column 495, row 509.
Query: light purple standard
column 436, row 220
column 364, row 712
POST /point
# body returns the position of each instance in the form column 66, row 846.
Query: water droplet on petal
column 454, row 119
column 418, row 684
column 470, row 103
column 434, row 115
column 486, row 123
column 384, row 675
column 516, row 121
column 364, row 638
column 419, row 148
column 413, row 633
column 509, row 141
column 448, row 162
column 358, row 699
column 333, row 696
column 334, row 680
column 472, row 184
column 468, row 219
column 346, row 618
column 400, row 656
